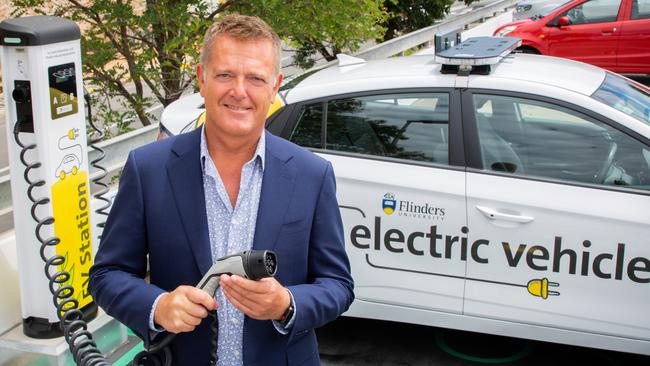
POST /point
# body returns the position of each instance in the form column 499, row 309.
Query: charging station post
column 48, row 156
column 41, row 59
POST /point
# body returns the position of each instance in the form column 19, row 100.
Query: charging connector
column 22, row 95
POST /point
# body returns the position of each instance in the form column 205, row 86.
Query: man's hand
column 183, row 309
column 265, row 299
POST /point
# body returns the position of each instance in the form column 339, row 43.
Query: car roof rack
column 475, row 55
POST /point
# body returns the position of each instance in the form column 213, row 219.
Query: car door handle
column 607, row 32
column 493, row 214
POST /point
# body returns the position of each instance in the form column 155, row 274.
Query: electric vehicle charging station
column 48, row 156
column 42, row 64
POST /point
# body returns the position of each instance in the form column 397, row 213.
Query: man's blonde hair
column 242, row 28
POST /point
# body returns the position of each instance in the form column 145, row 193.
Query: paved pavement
column 362, row 342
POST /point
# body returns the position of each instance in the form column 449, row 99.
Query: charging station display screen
column 63, row 90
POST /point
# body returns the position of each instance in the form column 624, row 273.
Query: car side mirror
column 563, row 21
column 503, row 166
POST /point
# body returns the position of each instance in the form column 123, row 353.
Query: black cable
column 75, row 330
column 214, row 328
column 97, row 136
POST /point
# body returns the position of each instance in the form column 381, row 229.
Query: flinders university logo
column 411, row 209
column 388, row 204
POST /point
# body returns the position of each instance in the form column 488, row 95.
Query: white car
column 512, row 199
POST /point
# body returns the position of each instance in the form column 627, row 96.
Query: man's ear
column 200, row 77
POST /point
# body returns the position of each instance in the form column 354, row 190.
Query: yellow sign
column 71, row 208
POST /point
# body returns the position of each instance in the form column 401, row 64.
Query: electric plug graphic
column 539, row 287
column 73, row 133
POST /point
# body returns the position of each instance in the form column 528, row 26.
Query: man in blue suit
column 230, row 186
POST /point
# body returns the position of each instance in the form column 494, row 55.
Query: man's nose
column 238, row 87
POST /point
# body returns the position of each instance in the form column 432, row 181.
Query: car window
column 308, row 128
column 640, row 9
column 405, row 126
column 625, row 95
column 594, row 11
column 531, row 138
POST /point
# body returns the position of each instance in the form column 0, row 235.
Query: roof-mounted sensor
column 475, row 55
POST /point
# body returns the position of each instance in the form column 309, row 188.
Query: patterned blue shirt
column 231, row 231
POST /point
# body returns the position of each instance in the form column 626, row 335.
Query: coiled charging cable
column 75, row 329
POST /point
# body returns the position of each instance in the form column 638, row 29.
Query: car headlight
column 505, row 31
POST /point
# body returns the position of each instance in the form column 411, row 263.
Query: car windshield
column 549, row 9
column 625, row 95
column 290, row 82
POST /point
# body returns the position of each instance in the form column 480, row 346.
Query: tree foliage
column 410, row 15
column 325, row 27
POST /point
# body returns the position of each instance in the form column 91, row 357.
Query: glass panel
column 640, row 9
column 531, row 138
column 404, row 126
column 594, row 11
column 307, row 130
column 625, row 95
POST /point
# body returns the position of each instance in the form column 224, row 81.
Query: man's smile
column 237, row 108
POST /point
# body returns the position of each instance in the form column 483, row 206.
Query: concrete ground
column 360, row 342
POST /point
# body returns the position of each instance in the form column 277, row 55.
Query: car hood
column 518, row 22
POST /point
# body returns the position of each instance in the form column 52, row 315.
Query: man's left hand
column 265, row 299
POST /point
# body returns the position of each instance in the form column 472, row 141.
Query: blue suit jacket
column 159, row 211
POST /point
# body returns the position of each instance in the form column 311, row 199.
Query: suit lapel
column 277, row 188
column 186, row 179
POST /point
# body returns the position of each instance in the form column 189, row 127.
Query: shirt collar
column 260, row 151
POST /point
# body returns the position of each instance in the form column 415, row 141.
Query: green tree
column 129, row 46
column 323, row 27
column 410, row 15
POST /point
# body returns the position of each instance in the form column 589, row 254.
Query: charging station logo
column 73, row 152
column 388, row 204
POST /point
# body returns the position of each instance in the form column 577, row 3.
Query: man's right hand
column 183, row 309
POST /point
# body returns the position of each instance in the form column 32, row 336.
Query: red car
column 612, row 34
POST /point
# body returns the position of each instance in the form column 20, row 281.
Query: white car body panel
column 362, row 184
column 186, row 109
column 564, row 217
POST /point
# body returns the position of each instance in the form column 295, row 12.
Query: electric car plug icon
column 539, row 287
column 69, row 165
column 73, row 133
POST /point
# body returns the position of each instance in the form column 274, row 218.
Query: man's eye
column 256, row 80
column 223, row 77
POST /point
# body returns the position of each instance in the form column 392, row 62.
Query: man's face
column 238, row 85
